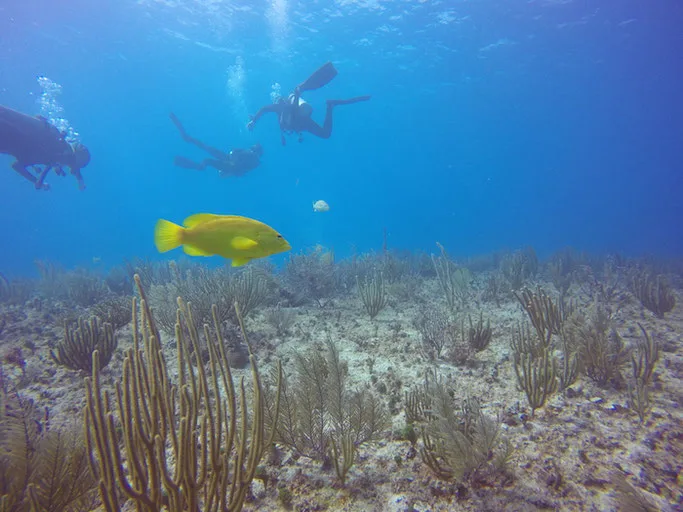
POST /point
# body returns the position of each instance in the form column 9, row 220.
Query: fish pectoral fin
column 191, row 250
column 199, row 218
column 242, row 243
column 238, row 262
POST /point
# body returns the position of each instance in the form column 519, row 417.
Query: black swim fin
column 320, row 78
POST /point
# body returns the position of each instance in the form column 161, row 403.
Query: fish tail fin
column 167, row 235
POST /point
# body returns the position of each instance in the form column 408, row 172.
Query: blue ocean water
column 492, row 124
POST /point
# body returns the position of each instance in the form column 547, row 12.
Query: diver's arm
column 273, row 107
column 76, row 172
column 310, row 126
column 40, row 182
column 21, row 169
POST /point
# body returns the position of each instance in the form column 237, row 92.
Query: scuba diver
column 294, row 114
column 236, row 163
column 34, row 142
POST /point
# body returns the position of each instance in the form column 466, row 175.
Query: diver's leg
column 216, row 153
column 325, row 130
column 179, row 126
column 357, row 99
column 220, row 165
column 186, row 163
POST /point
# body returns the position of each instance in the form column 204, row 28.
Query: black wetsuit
column 37, row 144
column 292, row 117
column 236, row 163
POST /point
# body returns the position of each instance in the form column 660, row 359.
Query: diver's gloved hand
column 40, row 182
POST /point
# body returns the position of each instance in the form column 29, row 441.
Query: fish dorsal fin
column 191, row 250
column 238, row 262
column 242, row 243
column 199, row 218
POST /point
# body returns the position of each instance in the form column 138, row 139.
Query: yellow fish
column 239, row 239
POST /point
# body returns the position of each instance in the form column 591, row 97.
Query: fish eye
column 279, row 237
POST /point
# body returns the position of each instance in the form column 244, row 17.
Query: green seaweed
column 185, row 443
column 41, row 468
column 537, row 376
column 600, row 349
column 653, row 292
column 479, row 335
column 461, row 444
column 77, row 349
column 454, row 281
column 373, row 294
column 320, row 417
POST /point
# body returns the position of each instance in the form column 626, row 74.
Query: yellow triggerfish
column 239, row 239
